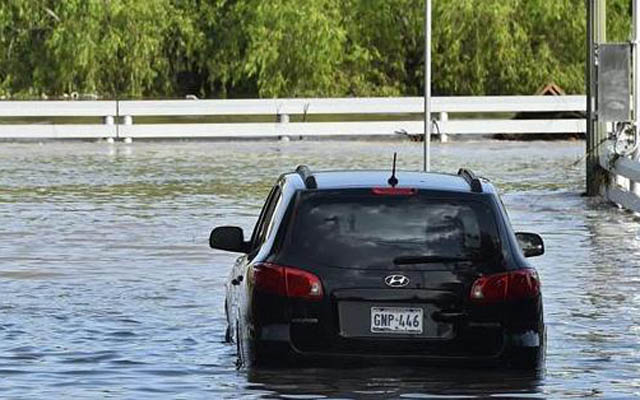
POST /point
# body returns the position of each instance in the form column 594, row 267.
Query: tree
column 282, row 48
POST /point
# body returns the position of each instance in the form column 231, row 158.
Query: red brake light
column 287, row 281
column 269, row 278
column 508, row 286
column 391, row 191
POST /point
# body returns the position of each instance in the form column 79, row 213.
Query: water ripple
column 109, row 288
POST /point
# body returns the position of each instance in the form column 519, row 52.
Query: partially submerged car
column 354, row 265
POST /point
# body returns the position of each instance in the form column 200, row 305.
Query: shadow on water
column 393, row 382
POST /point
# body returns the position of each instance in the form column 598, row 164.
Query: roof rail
column 307, row 177
column 472, row 179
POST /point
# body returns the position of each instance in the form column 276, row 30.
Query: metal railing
column 624, row 174
column 376, row 116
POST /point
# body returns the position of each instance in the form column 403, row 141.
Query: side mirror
column 530, row 243
column 229, row 238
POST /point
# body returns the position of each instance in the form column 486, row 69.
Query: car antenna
column 393, row 181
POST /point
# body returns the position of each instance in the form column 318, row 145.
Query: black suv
column 355, row 265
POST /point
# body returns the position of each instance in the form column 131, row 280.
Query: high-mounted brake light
column 287, row 281
column 508, row 286
column 391, row 191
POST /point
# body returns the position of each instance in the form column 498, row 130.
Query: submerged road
column 109, row 289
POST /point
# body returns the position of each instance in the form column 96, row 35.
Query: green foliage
column 292, row 48
column 107, row 46
column 509, row 46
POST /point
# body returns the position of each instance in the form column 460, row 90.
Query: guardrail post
column 283, row 119
column 109, row 120
column 443, row 117
column 127, row 120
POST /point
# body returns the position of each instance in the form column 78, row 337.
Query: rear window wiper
column 425, row 259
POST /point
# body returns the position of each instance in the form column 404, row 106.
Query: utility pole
column 427, row 86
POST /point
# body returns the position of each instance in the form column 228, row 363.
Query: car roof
column 355, row 179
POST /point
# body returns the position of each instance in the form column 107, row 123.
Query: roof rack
column 472, row 179
column 307, row 177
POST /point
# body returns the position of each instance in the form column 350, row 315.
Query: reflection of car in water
column 341, row 265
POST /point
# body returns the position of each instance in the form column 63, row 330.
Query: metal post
column 596, row 131
column 601, row 127
column 427, row 86
column 635, row 187
column 589, row 73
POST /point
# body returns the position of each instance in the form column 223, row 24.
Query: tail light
column 509, row 286
column 287, row 281
column 393, row 191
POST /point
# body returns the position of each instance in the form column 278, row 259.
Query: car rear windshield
column 357, row 229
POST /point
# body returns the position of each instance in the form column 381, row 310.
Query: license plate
column 396, row 320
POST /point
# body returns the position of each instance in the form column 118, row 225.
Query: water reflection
column 393, row 382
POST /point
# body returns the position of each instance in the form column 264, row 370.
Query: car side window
column 266, row 222
column 260, row 230
column 270, row 223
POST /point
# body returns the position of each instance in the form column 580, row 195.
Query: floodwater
column 109, row 289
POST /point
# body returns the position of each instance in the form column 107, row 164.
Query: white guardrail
column 119, row 117
column 624, row 185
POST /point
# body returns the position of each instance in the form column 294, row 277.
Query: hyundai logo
column 396, row 281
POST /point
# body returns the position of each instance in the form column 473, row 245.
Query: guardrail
column 30, row 128
column 118, row 119
column 622, row 187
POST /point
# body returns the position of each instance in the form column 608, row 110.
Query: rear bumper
column 275, row 347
